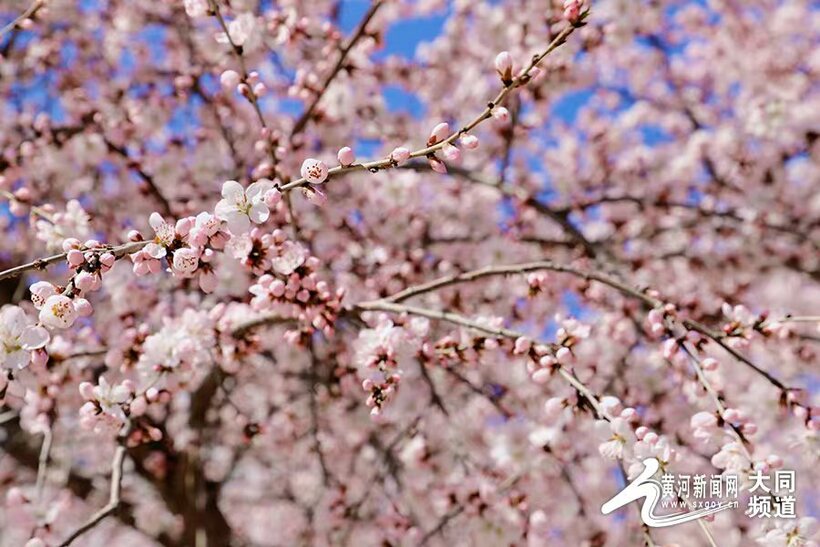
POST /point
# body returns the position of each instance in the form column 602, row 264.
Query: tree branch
column 113, row 499
column 30, row 11
column 41, row 263
column 303, row 120
column 389, row 303
column 388, row 163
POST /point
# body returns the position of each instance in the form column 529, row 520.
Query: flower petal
column 119, row 394
column 238, row 223
column 156, row 221
column 223, row 208
column 40, row 291
column 259, row 213
column 14, row 320
column 17, row 359
column 232, row 191
column 256, row 190
column 154, row 251
column 34, row 337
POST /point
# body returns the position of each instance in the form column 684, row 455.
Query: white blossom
column 239, row 207
column 58, row 312
column 18, row 337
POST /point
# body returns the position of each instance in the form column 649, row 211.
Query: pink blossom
column 58, row 312
column 400, row 155
column 208, row 281
column 440, row 132
column 314, row 171
column 18, row 337
column 503, row 65
column 75, row 257
column 522, row 345
column 240, row 207
column 40, row 291
column 703, row 420
column 315, row 196
column 572, row 10
column 83, row 307
column 243, row 30
column 470, row 142
column 451, row 153
column 229, row 79
column 70, row 244
column 437, row 165
column 501, row 114
column 346, row 156
column 186, row 261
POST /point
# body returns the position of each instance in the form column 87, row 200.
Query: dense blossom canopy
column 269, row 280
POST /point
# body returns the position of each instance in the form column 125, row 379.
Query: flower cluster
column 288, row 281
column 543, row 359
column 240, row 207
column 105, row 409
column 380, row 354
column 602, row 159
column 73, row 222
column 180, row 346
column 189, row 247
column 19, row 336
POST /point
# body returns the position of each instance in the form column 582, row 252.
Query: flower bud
column 346, row 156
column 259, row 89
column 437, row 165
column 139, row 406
column 439, row 133
column 75, row 257
column 400, row 155
column 39, row 358
column 107, row 260
column 451, row 153
column 314, row 171
column 470, row 142
column 229, row 79
column 503, row 64
column 84, row 281
column 71, row 243
column 272, row 197
column 501, row 114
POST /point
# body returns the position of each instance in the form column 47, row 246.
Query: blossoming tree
column 251, row 298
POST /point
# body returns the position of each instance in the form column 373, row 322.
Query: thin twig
column 718, row 338
column 113, row 499
column 605, row 279
column 42, row 463
column 41, row 263
column 303, row 120
column 39, row 211
column 719, row 406
column 388, row 163
column 32, row 9
column 491, row 271
column 383, row 305
column 568, row 376
column 251, row 95
column 798, row 319
column 149, row 180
